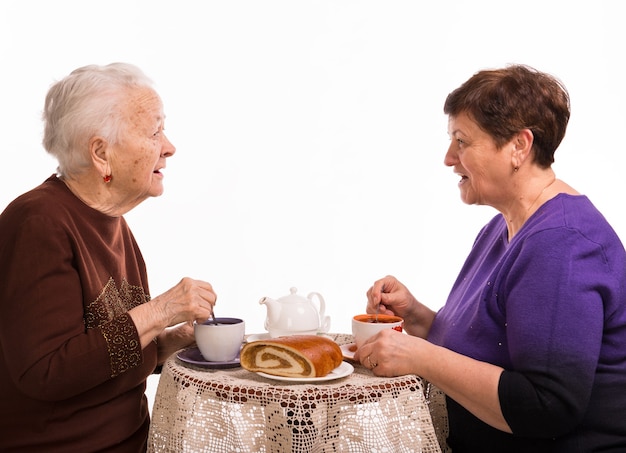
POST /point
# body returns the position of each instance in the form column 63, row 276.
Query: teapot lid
column 292, row 294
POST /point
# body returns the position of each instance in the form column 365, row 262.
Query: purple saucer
column 194, row 357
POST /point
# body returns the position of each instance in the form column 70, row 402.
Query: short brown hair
column 505, row 101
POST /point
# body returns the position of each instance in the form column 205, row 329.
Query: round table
column 234, row 410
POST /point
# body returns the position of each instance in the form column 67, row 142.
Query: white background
column 310, row 135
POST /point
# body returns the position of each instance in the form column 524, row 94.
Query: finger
column 380, row 306
column 370, row 297
column 378, row 290
column 203, row 313
column 366, row 348
column 361, row 353
column 386, row 298
column 374, row 295
column 208, row 295
column 212, row 296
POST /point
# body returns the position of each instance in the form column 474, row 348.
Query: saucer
column 194, row 357
column 257, row 337
column 348, row 350
column 266, row 336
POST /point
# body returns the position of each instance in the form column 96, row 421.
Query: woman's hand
column 395, row 299
column 189, row 300
column 390, row 353
column 173, row 339
column 471, row 383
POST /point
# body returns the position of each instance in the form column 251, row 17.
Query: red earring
column 106, row 178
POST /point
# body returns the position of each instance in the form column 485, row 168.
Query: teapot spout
column 273, row 311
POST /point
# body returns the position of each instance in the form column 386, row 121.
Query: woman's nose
column 450, row 159
column 168, row 148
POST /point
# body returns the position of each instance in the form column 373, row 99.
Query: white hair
column 84, row 104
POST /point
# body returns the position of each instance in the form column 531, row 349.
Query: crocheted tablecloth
column 234, row 410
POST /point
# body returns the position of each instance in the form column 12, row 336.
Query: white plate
column 343, row 370
column 346, row 350
column 266, row 336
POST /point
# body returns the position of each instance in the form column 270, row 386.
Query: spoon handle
column 212, row 318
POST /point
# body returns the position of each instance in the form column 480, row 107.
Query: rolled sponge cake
column 292, row 356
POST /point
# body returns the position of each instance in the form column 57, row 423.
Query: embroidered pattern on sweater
column 109, row 312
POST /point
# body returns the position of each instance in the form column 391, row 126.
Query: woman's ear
column 98, row 148
column 522, row 147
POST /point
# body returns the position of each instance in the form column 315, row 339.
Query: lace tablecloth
column 200, row 410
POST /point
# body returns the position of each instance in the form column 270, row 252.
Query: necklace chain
column 539, row 196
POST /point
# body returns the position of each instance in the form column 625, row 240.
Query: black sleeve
column 539, row 405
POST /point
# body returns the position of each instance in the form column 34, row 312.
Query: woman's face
column 137, row 160
column 485, row 170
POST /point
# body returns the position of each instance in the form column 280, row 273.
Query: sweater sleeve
column 554, row 311
column 51, row 353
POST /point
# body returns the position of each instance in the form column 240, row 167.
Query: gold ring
column 373, row 365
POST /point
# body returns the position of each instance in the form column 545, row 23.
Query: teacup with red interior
column 368, row 325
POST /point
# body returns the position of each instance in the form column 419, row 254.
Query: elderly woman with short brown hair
column 530, row 347
column 79, row 330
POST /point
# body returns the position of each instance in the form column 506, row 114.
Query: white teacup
column 366, row 326
column 220, row 340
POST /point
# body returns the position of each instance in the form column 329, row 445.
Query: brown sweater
column 72, row 371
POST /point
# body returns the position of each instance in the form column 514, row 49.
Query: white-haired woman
column 79, row 331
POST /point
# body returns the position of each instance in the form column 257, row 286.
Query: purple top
column 550, row 308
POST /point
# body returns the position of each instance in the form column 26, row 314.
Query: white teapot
column 295, row 315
